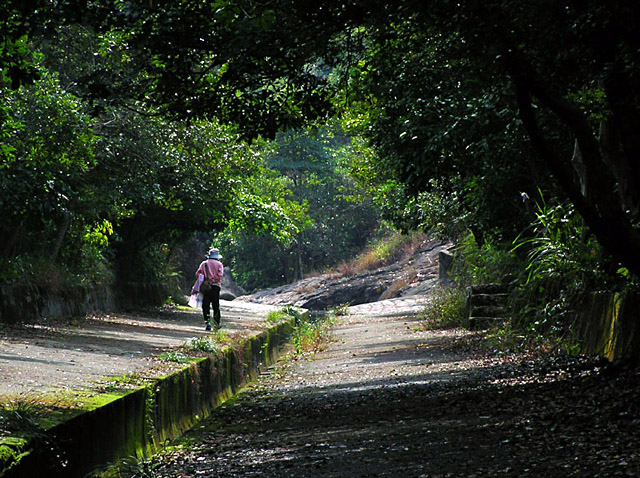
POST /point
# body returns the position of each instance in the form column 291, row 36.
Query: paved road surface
column 75, row 354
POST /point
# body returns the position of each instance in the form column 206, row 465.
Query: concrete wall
column 609, row 325
column 19, row 303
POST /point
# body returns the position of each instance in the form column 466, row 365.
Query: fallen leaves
column 467, row 415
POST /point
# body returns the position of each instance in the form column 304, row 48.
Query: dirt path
column 387, row 400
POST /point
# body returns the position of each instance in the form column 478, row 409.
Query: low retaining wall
column 138, row 423
column 609, row 326
column 22, row 303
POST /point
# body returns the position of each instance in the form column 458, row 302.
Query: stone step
column 487, row 305
column 487, row 310
column 489, row 289
column 479, row 322
column 488, row 299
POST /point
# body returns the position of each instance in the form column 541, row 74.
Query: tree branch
column 613, row 231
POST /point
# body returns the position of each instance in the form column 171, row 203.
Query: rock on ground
column 416, row 275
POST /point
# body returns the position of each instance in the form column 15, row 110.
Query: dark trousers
column 211, row 299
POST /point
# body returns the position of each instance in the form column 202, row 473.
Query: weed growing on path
column 23, row 425
column 174, row 356
column 131, row 467
column 20, row 416
column 312, row 335
column 202, row 344
column 276, row 316
column 340, row 310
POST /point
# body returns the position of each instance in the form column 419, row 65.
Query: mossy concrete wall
column 141, row 421
column 24, row 303
column 609, row 326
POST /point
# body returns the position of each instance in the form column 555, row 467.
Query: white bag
column 195, row 300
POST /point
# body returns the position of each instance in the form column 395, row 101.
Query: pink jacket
column 215, row 269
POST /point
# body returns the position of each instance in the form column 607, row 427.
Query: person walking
column 209, row 280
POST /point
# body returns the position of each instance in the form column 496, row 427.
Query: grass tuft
column 175, row 356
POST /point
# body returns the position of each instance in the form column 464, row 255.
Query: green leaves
column 321, row 218
column 48, row 149
column 17, row 63
column 558, row 247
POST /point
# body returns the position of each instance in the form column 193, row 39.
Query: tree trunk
column 8, row 237
column 62, row 231
column 300, row 272
column 606, row 218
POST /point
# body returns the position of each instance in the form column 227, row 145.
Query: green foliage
column 100, row 189
column 161, row 181
column 332, row 218
column 48, row 144
column 448, row 153
column 23, row 420
column 447, row 309
column 276, row 316
column 390, row 246
column 150, row 185
column 310, row 334
column 564, row 263
column 132, row 467
column 560, row 248
column 293, row 311
column 364, row 165
column 22, row 416
column 222, row 59
column 126, row 380
column 203, row 344
column 512, row 338
column 446, row 103
column 482, row 264
column 263, row 209
column 46, row 191
column 18, row 66
column 552, row 265
column 287, row 312
column 440, row 212
column 383, row 250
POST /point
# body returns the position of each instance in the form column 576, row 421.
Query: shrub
column 447, row 309
column 564, row 262
column 488, row 263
